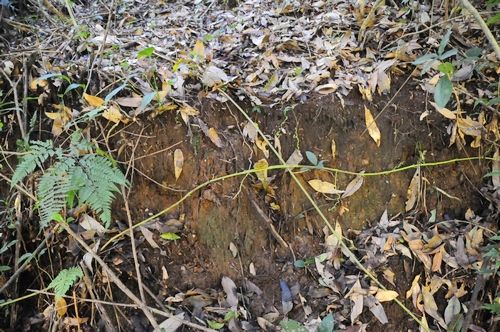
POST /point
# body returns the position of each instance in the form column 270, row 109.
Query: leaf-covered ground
column 290, row 165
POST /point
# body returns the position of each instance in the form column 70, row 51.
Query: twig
column 129, row 305
column 134, row 249
column 16, row 103
column 27, row 261
column 101, row 47
column 18, row 187
column 19, row 239
column 474, row 303
column 113, row 277
column 270, row 225
column 493, row 42
column 104, row 314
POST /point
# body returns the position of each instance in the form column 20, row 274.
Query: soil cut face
column 225, row 214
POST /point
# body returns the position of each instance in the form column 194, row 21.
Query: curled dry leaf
column 413, row 191
column 113, row 114
column 261, row 171
column 324, row 187
column 178, row 162
column 371, row 125
column 326, row 88
column 445, row 112
column 334, row 149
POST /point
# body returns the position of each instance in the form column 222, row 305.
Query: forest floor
column 249, row 165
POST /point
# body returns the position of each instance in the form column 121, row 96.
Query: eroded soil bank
column 223, row 214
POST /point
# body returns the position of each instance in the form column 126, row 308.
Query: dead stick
column 269, row 224
column 113, row 277
column 493, row 42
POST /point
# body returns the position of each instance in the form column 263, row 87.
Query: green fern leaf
column 53, row 190
column 40, row 151
column 100, row 185
column 65, row 279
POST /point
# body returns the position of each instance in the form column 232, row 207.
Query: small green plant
column 77, row 173
column 444, row 87
column 65, row 279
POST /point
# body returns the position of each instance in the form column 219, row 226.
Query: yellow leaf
column 324, row 187
column 261, row 171
column 444, row 111
column 214, row 137
column 199, row 49
column 413, row 191
column 37, row 83
column 366, row 93
column 61, row 306
column 113, row 114
column 334, row 149
column 371, row 125
column 495, row 168
column 262, row 145
column 93, row 100
column 386, row 295
column 178, row 162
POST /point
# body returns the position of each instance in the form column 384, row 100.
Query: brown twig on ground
column 104, row 314
column 129, row 305
column 18, row 187
column 269, row 224
column 474, row 302
column 113, row 277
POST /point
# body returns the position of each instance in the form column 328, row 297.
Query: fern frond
column 65, row 279
column 102, row 181
column 53, row 189
column 40, row 151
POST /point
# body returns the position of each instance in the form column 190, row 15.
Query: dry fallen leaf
column 413, row 191
column 324, row 187
column 386, row 295
column 199, row 49
column 93, row 100
column 430, row 306
column 129, row 101
column 113, row 114
column 260, row 168
column 61, row 306
column 353, row 186
column 178, row 162
column 371, row 125
column 230, row 289
column 214, row 137
column 334, row 149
